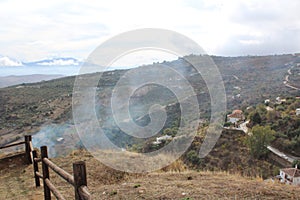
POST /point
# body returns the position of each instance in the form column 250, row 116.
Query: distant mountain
column 56, row 62
column 6, row 61
column 15, row 80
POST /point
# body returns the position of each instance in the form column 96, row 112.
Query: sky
column 33, row 29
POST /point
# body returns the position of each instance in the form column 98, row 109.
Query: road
column 290, row 86
column 289, row 158
column 243, row 127
column 286, row 81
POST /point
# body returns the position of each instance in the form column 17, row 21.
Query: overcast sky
column 35, row 29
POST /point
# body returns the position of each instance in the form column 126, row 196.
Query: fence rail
column 78, row 180
column 28, row 147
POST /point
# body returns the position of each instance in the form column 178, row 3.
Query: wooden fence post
column 79, row 171
column 35, row 169
column 44, row 154
column 28, row 148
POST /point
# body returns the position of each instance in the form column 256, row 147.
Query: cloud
column 33, row 30
column 60, row 61
column 6, row 61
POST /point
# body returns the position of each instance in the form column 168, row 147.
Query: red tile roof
column 292, row 172
column 237, row 112
column 235, row 115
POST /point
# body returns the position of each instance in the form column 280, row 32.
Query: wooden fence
column 28, row 147
column 78, row 180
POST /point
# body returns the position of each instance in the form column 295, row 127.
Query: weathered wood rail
column 78, row 180
column 28, row 147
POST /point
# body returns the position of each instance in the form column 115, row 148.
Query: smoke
column 60, row 139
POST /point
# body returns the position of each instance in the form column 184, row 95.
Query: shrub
column 296, row 162
column 193, row 157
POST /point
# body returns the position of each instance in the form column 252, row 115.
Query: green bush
column 227, row 124
column 296, row 162
column 256, row 118
column 193, row 157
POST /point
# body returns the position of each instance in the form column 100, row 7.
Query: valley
column 45, row 108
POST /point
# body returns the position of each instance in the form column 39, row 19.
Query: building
column 298, row 111
column 267, row 101
column 162, row 138
column 290, row 176
column 280, row 100
column 235, row 116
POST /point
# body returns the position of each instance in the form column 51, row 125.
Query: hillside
column 281, row 116
column 248, row 81
column 16, row 182
column 16, row 80
column 227, row 172
column 231, row 154
column 45, row 108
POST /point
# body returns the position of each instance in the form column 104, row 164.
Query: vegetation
column 296, row 163
column 247, row 82
column 255, row 118
column 280, row 117
column 258, row 141
column 193, row 157
column 230, row 154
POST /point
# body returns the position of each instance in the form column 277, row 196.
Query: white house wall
column 233, row 120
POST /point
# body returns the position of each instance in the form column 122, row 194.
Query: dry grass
column 16, row 179
column 193, row 185
column 173, row 182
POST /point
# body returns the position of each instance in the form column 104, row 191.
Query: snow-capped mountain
column 6, row 61
column 56, row 62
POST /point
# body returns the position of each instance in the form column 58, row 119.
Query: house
column 290, row 176
column 267, row 101
column 298, row 111
column 280, row 100
column 235, row 116
column 159, row 140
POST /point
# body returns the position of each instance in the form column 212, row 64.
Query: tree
column 171, row 131
column 259, row 140
column 271, row 115
column 296, row 162
column 193, row 157
column 255, row 118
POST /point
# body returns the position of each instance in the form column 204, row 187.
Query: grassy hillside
column 248, row 80
column 16, row 182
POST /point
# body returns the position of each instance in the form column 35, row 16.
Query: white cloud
column 142, row 57
column 6, row 61
column 250, row 42
column 57, row 62
column 33, row 29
